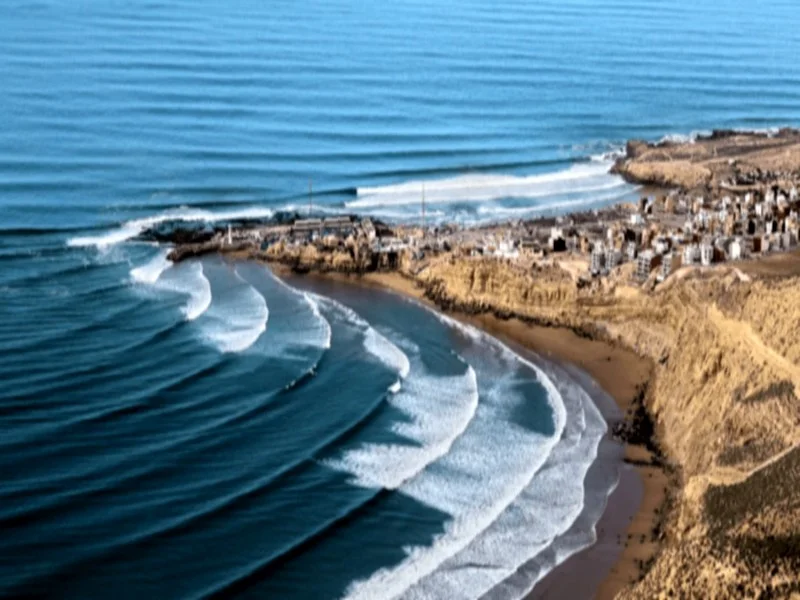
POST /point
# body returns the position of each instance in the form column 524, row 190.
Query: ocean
column 209, row 430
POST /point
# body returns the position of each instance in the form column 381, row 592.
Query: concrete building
column 665, row 269
column 706, row 254
column 598, row 260
column 735, row 250
column 637, row 219
column 691, row 253
column 644, row 264
column 631, row 250
column 613, row 258
column 661, row 245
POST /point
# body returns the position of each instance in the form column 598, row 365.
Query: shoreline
column 624, row 541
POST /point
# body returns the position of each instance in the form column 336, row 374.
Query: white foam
column 151, row 271
column 374, row 342
column 386, row 352
column 199, row 290
column 320, row 333
column 579, row 178
column 186, row 278
column 546, row 508
column 133, row 228
column 438, row 409
column 521, row 210
column 236, row 320
column 323, row 327
column 485, row 471
column 608, row 156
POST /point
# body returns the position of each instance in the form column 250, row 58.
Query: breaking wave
column 580, row 178
column 545, row 509
column 131, row 229
column 374, row 342
column 186, row 278
column 237, row 317
column 151, row 271
column 493, row 449
column 438, row 409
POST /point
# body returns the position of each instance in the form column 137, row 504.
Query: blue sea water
column 205, row 429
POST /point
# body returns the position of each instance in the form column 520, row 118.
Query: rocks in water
column 179, row 231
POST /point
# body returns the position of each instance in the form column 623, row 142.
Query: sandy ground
column 624, row 531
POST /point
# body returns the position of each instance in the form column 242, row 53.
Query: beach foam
column 544, row 510
column 151, row 271
column 237, row 317
column 186, row 278
column 579, row 178
column 438, row 409
column 493, row 450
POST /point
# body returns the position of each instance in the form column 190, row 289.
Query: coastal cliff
column 723, row 159
column 723, row 398
column 724, row 401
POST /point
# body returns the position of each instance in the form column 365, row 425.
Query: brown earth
column 723, row 396
column 724, row 159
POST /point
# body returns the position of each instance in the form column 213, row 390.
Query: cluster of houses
column 363, row 235
column 657, row 236
column 676, row 231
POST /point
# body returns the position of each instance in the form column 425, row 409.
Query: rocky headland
column 721, row 160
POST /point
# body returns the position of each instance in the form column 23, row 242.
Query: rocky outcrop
column 349, row 259
column 192, row 250
column 724, row 158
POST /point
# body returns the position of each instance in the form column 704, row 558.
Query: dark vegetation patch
column 752, row 451
column 727, row 505
column 779, row 389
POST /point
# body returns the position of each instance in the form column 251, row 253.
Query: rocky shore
column 722, row 160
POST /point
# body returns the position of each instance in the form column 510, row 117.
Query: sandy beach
column 624, row 532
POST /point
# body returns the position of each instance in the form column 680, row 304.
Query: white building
column 637, row 219
column 506, row 249
column 690, row 254
column 643, row 264
column 706, row 254
column 735, row 250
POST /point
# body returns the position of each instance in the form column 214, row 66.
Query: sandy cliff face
column 724, row 398
column 711, row 161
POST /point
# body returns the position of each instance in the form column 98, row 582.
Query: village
column 656, row 237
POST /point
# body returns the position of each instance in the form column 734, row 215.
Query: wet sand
column 624, row 529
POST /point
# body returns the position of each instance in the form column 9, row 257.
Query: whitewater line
column 450, row 487
column 546, row 508
column 489, row 187
column 187, row 279
column 130, row 229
